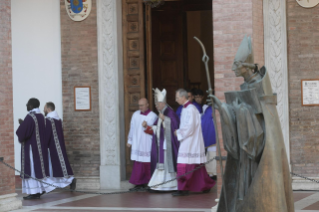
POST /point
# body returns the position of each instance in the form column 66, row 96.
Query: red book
column 149, row 130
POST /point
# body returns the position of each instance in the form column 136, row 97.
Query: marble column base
column 9, row 202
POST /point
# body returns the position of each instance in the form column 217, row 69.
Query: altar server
column 191, row 152
column 141, row 144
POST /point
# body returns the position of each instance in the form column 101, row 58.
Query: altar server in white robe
column 141, row 144
column 191, row 153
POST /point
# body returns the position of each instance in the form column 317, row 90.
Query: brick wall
column 7, row 178
column 303, row 63
column 80, row 68
column 232, row 20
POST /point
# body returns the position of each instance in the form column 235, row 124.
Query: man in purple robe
column 61, row 173
column 191, row 97
column 164, row 145
column 34, row 154
column 209, row 136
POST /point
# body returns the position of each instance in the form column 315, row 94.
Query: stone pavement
column 305, row 201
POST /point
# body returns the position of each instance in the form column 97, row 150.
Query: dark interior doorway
column 176, row 56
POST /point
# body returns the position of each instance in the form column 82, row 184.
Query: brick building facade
column 8, row 199
column 79, row 68
column 303, row 60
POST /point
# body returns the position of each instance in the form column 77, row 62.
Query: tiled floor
column 144, row 202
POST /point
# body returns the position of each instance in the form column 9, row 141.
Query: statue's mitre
column 160, row 96
column 245, row 52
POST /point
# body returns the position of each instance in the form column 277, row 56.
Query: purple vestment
column 179, row 112
column 196, row 181
column 55, row 140
column 208, row 127
column 31, row 134
column 174, row 120
column 198, row 106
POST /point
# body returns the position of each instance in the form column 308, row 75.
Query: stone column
column 275, row 42
column 8, row 200
column 110, row 68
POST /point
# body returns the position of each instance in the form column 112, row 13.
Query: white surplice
column 191, row 149
column 141, row 142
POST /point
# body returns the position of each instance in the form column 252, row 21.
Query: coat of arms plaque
column 78, row 10
column 308, row 3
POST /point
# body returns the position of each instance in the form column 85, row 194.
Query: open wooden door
column 134, row 63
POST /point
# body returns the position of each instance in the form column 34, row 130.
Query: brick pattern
column 232, row 20
column 80, row 68
column 303, row 62
column 7, row 179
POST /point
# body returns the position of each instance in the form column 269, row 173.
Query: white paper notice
column 82, row 99
column 310, row 92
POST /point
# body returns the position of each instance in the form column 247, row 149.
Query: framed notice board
column 310, row 92
column 82, row 98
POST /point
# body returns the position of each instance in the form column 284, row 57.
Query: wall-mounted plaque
column 310, row 92
column 308, row 3
column 82, row 98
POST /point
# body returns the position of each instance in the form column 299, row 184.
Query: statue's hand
column 217, row 102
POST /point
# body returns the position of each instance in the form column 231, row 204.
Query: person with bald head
column 141, row 144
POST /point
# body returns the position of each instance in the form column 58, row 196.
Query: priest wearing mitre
column 164, row 145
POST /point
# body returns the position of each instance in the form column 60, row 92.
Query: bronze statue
column 257, row 177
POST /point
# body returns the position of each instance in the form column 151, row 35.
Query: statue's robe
column 141, row 147
column 34, row 154
column 257, row 174
column 164, row 151
column 61, row 173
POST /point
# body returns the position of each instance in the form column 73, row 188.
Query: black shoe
column 180, row 193
column 153, row 191
column 214, row 177
column 32, row 196
column 206, row 191
column 73, row 184
column 137, row 188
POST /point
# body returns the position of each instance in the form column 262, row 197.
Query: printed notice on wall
column 310, row 92
column 82, row 98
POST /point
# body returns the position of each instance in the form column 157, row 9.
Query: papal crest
column 78, row 10
column 308, row 3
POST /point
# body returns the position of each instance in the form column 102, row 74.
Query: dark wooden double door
column 155, row 53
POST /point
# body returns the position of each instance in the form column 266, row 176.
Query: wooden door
column 168, row 49
column 134, row 68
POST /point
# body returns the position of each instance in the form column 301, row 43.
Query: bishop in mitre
column 257, row 174
column 164, row 145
